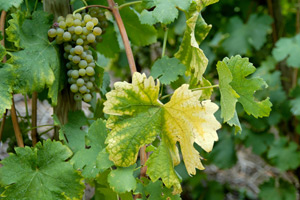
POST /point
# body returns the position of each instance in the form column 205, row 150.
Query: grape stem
column 129, row 4
column 2, row 124
column 91, row 6
column 165, row 42
column 34, row 118
column 114, row 8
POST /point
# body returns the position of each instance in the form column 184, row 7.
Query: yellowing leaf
column 138, row 117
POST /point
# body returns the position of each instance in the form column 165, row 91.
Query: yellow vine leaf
column 137, row 118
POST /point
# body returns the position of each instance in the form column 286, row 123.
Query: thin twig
column 274, row 33
column 2, row 124
column 85, row 7
column 16, row 126
column 114, row 8
column 129, row 4
column 34, row 118
column 165, row 42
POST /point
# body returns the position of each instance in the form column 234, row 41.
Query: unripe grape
column 86, row 78
column 75, row 37
column 87, row 97
column 78, row 49
column 74, row 88
column 70, row 57
column 69, row 16
column 62, row 24
column 82, row 64
column 52, row 33
column 89, row 58
column 67, row 36
column 90, row 71
column 77, row 22
column 69, row 73
column 83, row 37
column 72, row 80
column 69, row 21
column 92, row 64
column 75, row 74
column 102, row 16
column 89, row 26
column 78, row 30
column 59, row 39
column 65, row 55
column 91, row 38
column 78, row 16
column 86, row 47
column 89, row 85
column 92, row 79
column 59, row 32
column 83, row 23
column 95, row 21
column 83, row 55
column 72, row 51
column 83, row 89
column 82, row 72
column 68, row 65
column 60, row 18
column 71, row 29
column 77, row 97
column 76, row 59
column 85, row 31
column 67, row 48
column 87, row 18
column 89, row 52
column 80, row 82
column 97, row 31
column 79, row 41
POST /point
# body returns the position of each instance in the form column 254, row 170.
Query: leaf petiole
column 129, row 4
column 165, row 42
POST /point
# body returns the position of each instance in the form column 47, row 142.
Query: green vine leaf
column 189, row 52
column 6, row 5
column 38, row 63
column 277, row 190
column 71, row 132
column 122, row 180
column 7, row 78
column 138, row 117
column 284, row 154
column 164, row 12
column 41, row 173
column 167, row 70
column 139, row 34
column 13, row 31
column 85, row 159
column 2, row 52
column 288, row 48
column 243, row 36
column 235, row 87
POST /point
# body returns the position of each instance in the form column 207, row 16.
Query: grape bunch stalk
column 78, row 33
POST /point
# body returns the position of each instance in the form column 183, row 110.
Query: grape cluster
column 78, row 33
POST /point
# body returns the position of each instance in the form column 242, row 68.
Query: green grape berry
column 87, row 18
column 67, row 36
column 52, row 33
column 59, row 32
column 91, row 38
column 78, row 49
column 87, row 97
column 82, row 72
column 76, row 59
column 80, row 82
column 74, row 88
column 89, row 58
column 89, row 85
column 79, row 41
column 89, row 26
column 62, row 25
column 82, row 64
column 90, row 71
column 77, row 97
column 75, row 74
column 83, row 89
column 78, row 30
